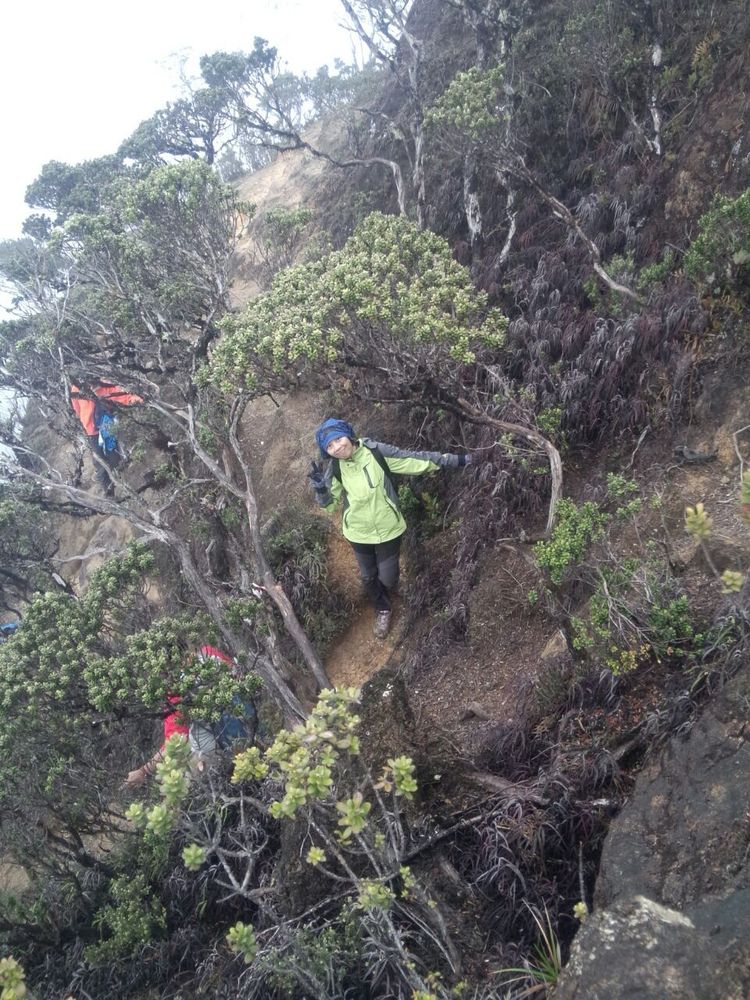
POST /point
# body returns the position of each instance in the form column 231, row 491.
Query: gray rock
column 640, row 950
column 672, row 904
column 684, row 834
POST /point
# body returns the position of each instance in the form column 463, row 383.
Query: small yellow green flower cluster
column 242, row 941
column 11, row 980
column 374, row 895
column 249, row 766
column 580, row 910
column 316, row 856
column 732, row 581
column 306, row 755
column 399, row 773
column 697, row 522
column 354, row 813
column 193, row 856
column 408, row 881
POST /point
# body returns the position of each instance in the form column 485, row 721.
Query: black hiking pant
column 111, row 458
column 378, row 566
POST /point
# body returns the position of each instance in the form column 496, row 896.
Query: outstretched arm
column 139, row 775
column 412, row 463
column 173, row 724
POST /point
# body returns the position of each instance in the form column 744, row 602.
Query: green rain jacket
column 371, row 513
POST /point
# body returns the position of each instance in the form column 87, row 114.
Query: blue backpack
column 107, row 436
column 236, row 723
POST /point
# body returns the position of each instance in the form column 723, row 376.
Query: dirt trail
column 357, row 655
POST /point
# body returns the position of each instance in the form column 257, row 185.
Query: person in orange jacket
column 95, row 413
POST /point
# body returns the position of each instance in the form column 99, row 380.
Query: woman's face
column 342, row 447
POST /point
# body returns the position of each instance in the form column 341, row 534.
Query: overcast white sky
column 76, row 77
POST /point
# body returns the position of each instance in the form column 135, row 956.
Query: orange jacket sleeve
column 83, row 409
column 116, row 394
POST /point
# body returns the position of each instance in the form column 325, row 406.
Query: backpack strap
column 379, row 458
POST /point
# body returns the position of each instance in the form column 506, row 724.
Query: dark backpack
column 378, row 456
column 236, row 724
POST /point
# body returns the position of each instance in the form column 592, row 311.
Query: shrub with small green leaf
column 624, row 492
column 392, row 285
column 423, row 512
column 132, row 918
column 719, row 257
column 81, row 687
column 657, row 273
column 249, row 766
column 358, row 833
column 278, row 236
column 635, row 612
column 672, row 625
column 470, row 104
column 575, row 529
column 306, row 755
column 548, row 421
column 374, row 895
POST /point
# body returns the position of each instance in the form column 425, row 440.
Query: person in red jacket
column 201, row 739
column 95, row 411
column 173, row 724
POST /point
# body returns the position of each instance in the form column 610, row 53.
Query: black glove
column 316, row 475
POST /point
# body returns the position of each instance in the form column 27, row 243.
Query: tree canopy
column 392, row 301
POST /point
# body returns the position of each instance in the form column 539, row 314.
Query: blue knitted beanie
column 331, row 429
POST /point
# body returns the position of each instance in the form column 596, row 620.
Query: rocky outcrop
column 672, row 904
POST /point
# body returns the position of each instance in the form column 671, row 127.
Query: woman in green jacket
column 360, row 475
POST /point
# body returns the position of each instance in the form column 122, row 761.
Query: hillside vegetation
column 521, row 231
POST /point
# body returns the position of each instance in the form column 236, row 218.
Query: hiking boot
column 382, row 624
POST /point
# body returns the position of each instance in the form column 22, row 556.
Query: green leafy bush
column 470, row 104
column 575, row 529
column 658, row 272
column 624, row 492
column 424, row 512
column 392, row 283
column 132, row 918
column 548, row 421
column 719, row 256
column 634, row 613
